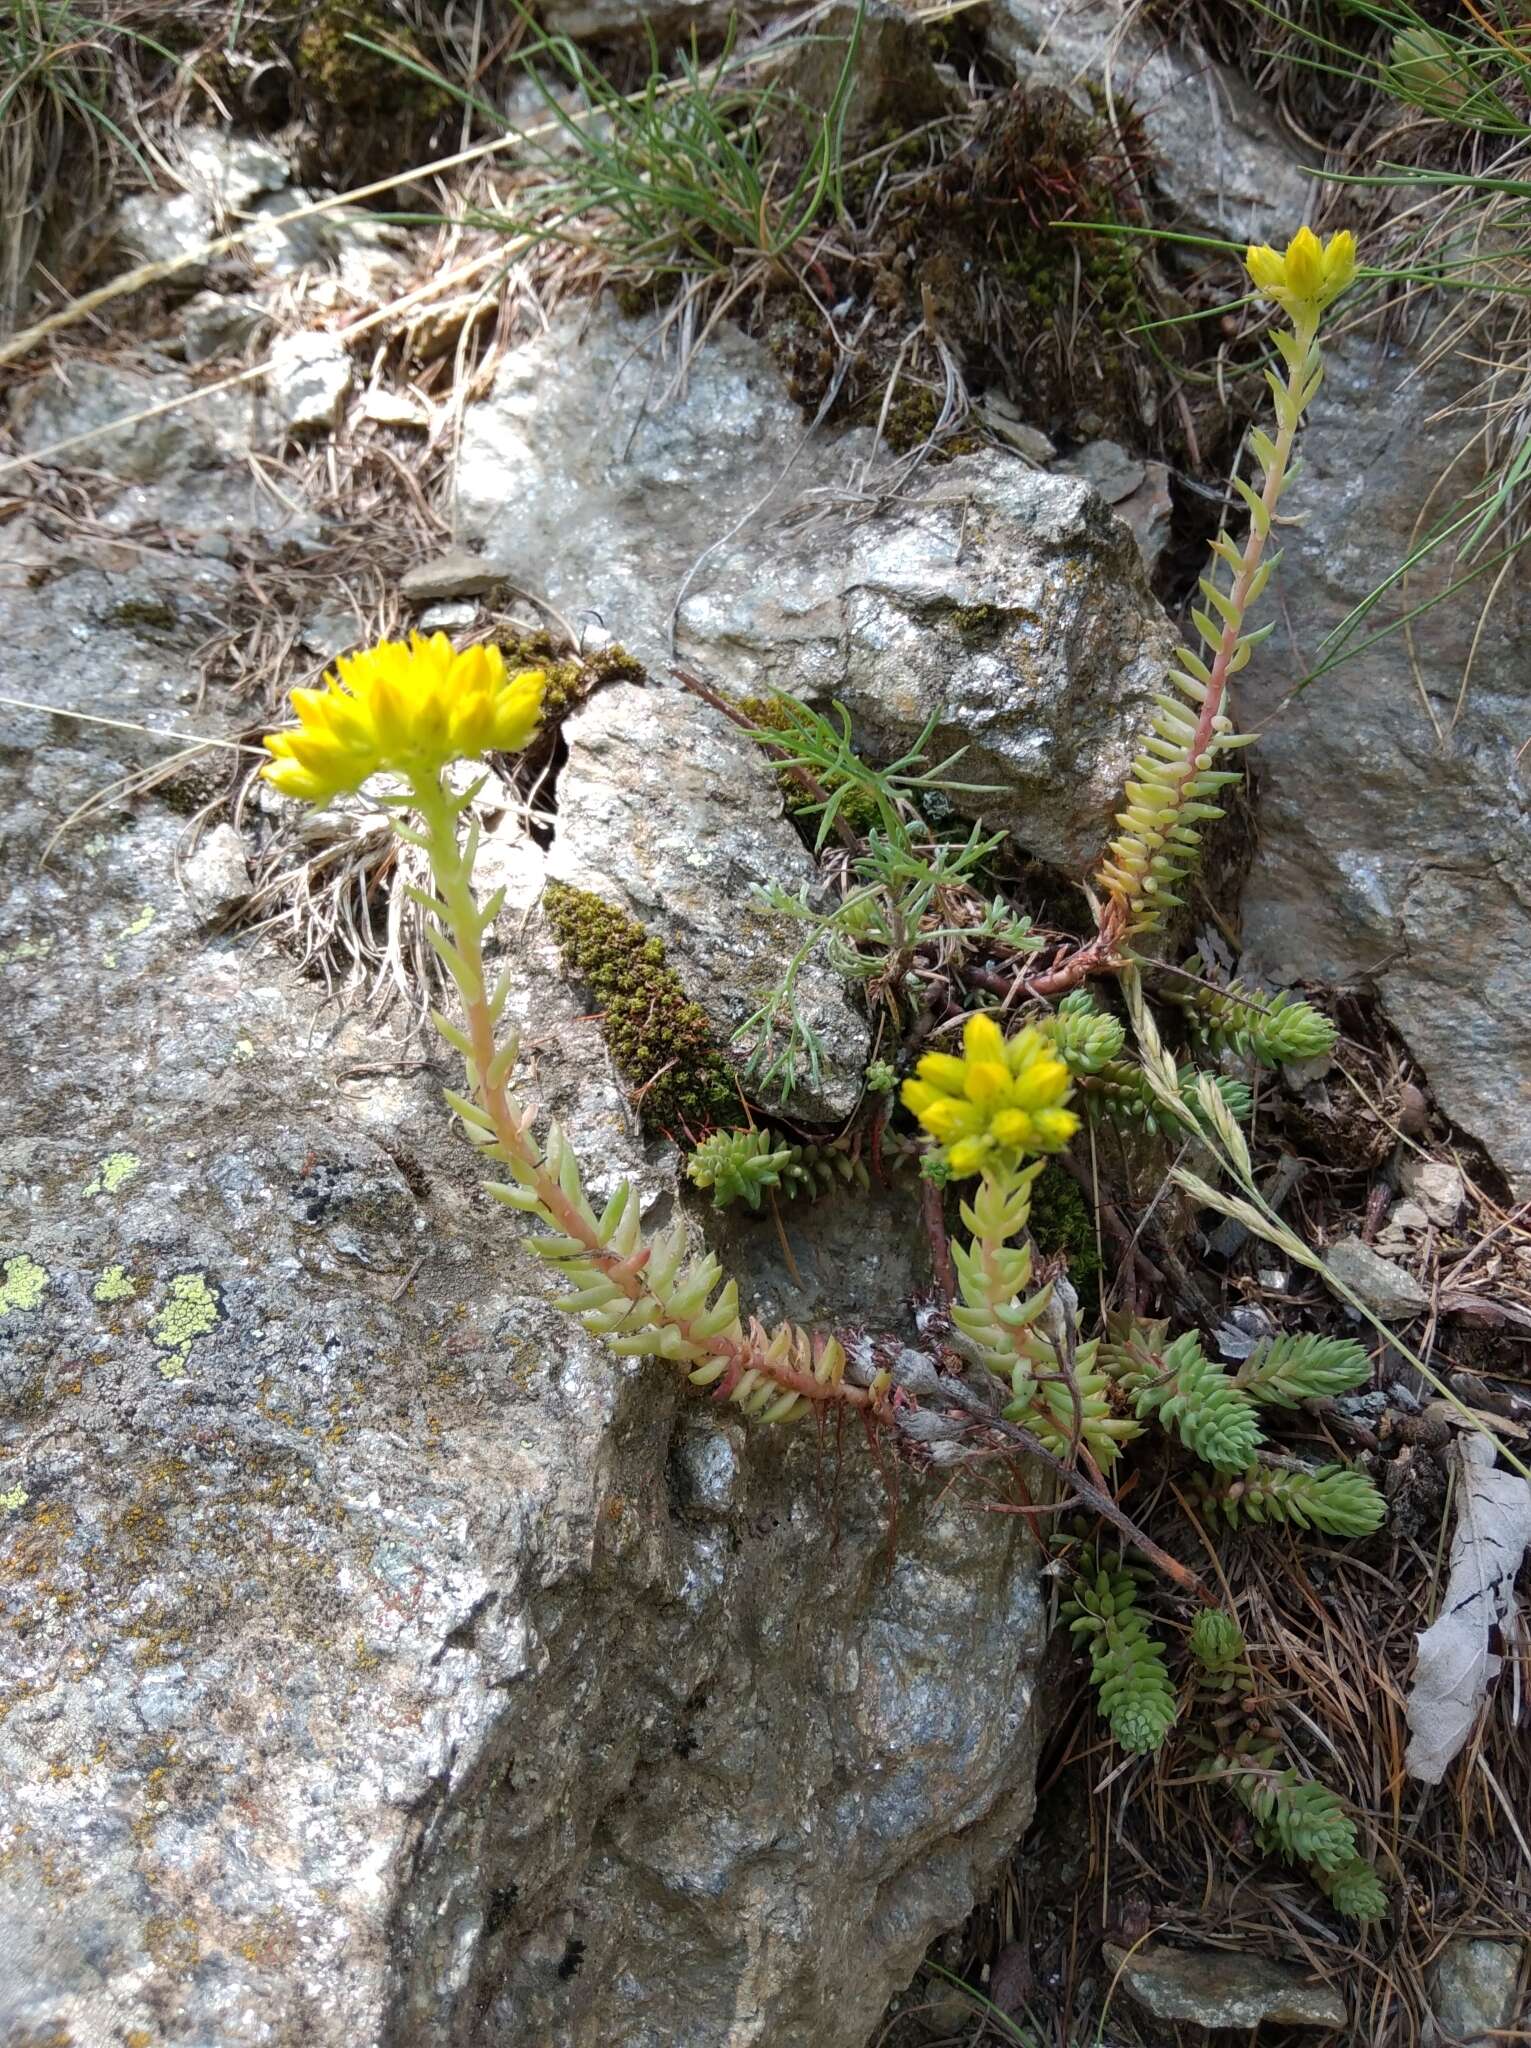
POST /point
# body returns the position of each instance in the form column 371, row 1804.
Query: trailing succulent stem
column 641, row 1296
column 1176, row 1384
column 740, row 1166
column 1336, row 1500
column 1284, row 1371
column 1015, row 1332
column 1302, row 1821
column 1090, row 1042
column 1272, row 1029
column 1126, row 1662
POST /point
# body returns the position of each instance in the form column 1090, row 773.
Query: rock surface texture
column 1219, row 1989
column 1220, row 160
column 1008, row 605
column 385, row 1665
column 1395, row 812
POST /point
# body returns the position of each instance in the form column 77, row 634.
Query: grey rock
column 1475, row 1987
column 307, row 381
column 1221, row 163
column 222, row 174
column 384, row 1663
column 280, row 246
column 330, row 631
column 1106, row 465
column 217, row 874
column 234, row 171
column 1395, row 828
column 394, row 409
column 995, row 412
column 202, row 432
column 1386, row 1289
column 1221, row 1988
column 1008, row 605
column 1138, row 492
column 665, row 808
column 457, row 573
column 215, row 324
column 597, row 485
column 167, row 227
column 450, row 616
column 1149, row 513
column 1437, row 1186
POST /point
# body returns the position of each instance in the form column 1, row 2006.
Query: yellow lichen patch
column 26, row 949
column 13, row 1500
column 114, row 1285
column 135, row 928
column 189, row 1312
column 23, row 1285
column 114, row 1172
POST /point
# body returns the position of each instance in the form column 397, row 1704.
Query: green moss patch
column 571, row 678
column 660, row 1039
column 1061, row 1223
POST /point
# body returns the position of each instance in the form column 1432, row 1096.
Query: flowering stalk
column 1174, row 777
column 994, row 1111
column 641, row 1296
column 410, row 709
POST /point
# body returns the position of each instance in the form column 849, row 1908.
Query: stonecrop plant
column 990, row 1107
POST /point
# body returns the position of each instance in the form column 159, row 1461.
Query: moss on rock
column 1061, row 1224
column 571, row 678
column 660, row 1039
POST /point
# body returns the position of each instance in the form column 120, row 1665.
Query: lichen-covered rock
column 385, row 1665
column 1395, row 831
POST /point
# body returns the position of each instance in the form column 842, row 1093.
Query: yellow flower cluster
column 1310, row 275
column 1002, row 1101
column 406, row 706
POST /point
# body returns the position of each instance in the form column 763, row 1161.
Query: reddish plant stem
column 455, row 887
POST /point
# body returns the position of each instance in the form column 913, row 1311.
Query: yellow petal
column 947, row 1119
column 1012, row 1128
column 518, row 710
column 1305, row 265
column 1044, row 1083
column 290, row 780
column 982, row 1039
column 1339, row 263
column 1265, row 267
column 1054, row 1128
column 968, row 1156
column 941, row 1071
column 987, row 1082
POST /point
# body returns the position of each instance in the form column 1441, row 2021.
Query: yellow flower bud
column 1309, row 276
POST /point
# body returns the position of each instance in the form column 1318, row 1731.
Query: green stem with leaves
column 641, row 1296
